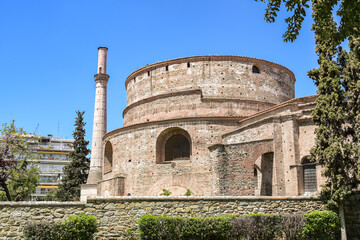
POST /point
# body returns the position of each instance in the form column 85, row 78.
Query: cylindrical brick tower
column 99, row 127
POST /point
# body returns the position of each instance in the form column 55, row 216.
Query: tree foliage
column 337, row 114
column 76, row 172
column 321, row 225
column 337, row 111
column 23, row 180
column 350, row 63
column 348, row 12
column 298, row 7
column 18, row 176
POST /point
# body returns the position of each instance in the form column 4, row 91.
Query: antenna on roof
column 36, row 130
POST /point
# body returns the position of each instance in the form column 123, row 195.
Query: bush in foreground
column 78, row 227
column 170, row 228
column 315, row 225
column 321, row 225
column 257, row 227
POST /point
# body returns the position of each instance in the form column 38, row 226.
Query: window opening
column 310, row 183
column 255, row 69
column 177, row 147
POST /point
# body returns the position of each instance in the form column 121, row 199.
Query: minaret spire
column 99, row 127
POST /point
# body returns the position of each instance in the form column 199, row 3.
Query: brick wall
column 166, row 91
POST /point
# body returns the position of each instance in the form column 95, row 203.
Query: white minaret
column 99, row 128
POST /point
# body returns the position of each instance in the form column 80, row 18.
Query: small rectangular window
column 167, row 68
column 188, row 64
column 148, row 73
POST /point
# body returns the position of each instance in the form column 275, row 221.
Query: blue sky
column 49, row 51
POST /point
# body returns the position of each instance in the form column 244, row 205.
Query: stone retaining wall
column 116, row 215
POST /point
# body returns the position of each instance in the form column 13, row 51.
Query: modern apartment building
column 52, row 154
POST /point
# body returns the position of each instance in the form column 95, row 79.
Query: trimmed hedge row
column 314, row 225
column 78, row 227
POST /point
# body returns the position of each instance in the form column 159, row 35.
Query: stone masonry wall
column 116, row 215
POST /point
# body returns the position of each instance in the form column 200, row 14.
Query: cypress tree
column 337, row 111
column 336, row 144
column 351, row 72
column 76, row 172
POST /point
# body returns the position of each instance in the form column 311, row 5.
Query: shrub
column 257, row 226
column 40, row 231
column 321, row 225
column 292, row 226
column 209, row 228
column 315, row 225
column 78, row 227
column 157, row 227
column 170, row 228
column 240, row 228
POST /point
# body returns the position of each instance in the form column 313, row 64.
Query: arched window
column 309, row 171
column 177, row 147
column 255, row 69
column 173, row 144
column 108, row 157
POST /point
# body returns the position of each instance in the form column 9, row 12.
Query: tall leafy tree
column 348, row 12
column 351, row 73
column 18, row 176
column 77, row 171
column 337, row 112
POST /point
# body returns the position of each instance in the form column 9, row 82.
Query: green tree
column 18, row 176
column 350, row 63
column 337, row 111
column 23, row 180
column 77, row 171
column 348, row 12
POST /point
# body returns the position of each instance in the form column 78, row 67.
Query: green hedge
column 78, row 227
column 257, row 226
column 169, row 228
column 321, row 225
column 315, row 225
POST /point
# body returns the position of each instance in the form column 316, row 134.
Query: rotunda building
column 209, row 125
column 177, row 110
